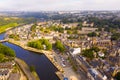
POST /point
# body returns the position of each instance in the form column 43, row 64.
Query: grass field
column 8, row 26
column 11, row 22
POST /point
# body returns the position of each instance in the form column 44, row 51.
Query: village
column 77, row 39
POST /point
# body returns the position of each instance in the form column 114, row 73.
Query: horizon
column 59, row 5
column 64, row 11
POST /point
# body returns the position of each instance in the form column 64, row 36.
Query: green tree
column 69, row 32
column 38, row 44
column 79, row 26
column 115, row 36
column 48, row 44
column 93, row 34
column 35, row 44
column 96, row 49
column 14, row 36
column 88, row 53
column 117, row 76
column 1, row 57
column 33, row 27
column 100, row 29
column 60, row 46
column 32, row 68
column 7, row 51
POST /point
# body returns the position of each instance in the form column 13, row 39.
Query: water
column 44, row 68
column 1, row 36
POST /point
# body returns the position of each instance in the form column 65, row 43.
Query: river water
column 44, row 68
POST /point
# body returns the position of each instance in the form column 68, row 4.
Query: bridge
column 3, row 40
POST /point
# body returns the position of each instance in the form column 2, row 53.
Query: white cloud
column 37, row 5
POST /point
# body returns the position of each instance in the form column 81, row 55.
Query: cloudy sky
column 53, row 5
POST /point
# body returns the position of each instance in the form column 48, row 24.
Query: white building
column 75, row 51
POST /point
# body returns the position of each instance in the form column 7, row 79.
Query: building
column 89, row 29
column 86, row 24
column 102, row 43
column 4, row 74
column 86, row 30
column 75, row 51
column 5, row 69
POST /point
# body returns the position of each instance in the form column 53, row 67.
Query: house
column 86, row 30
column 96, row 75
column 66, row 26
column 100, row 54
column 105, row 43
column 89, row 29
column 41, row 23
column 4, row 74
column 48, row 37
column 85, row 23
column 5, row 69
column 7, row 65
column 75, row 51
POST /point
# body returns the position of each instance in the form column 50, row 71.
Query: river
column 44, row 68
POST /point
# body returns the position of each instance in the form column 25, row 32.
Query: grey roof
column 4, row 72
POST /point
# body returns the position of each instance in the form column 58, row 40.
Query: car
column 62, row 59
column 63, row 65
column 65, row 78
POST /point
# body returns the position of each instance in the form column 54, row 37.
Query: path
column 25, row 69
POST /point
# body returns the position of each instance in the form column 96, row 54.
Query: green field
column 7, row 26
column 10, row 22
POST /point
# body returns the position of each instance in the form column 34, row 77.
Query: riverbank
column 48, row 54
column 21, row 73
column 25, row 69
column 5, row 30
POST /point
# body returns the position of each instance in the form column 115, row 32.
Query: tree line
column 6, row 53
column 40, row 44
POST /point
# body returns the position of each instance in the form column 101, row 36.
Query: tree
column 14, row 36
column 65, row 20
column 96, row 49
column 1, row 57
column 79, row 26
column 7, row 51
column 35, row 44
column 100, row 29
column 60, row 46
column 49, row 46
column 32, row 68
column 33, row 27
column 46, row 43
column 115, row 36
column 69, row 32
column 117, row 76
column 88, row 53
column 38, row 44
column 75, row 32
column 93, row 34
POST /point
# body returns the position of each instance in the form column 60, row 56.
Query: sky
column 58, row 5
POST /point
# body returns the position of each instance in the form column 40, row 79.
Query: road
column 68, row 71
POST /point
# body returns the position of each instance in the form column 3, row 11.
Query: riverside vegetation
column 6, row 53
